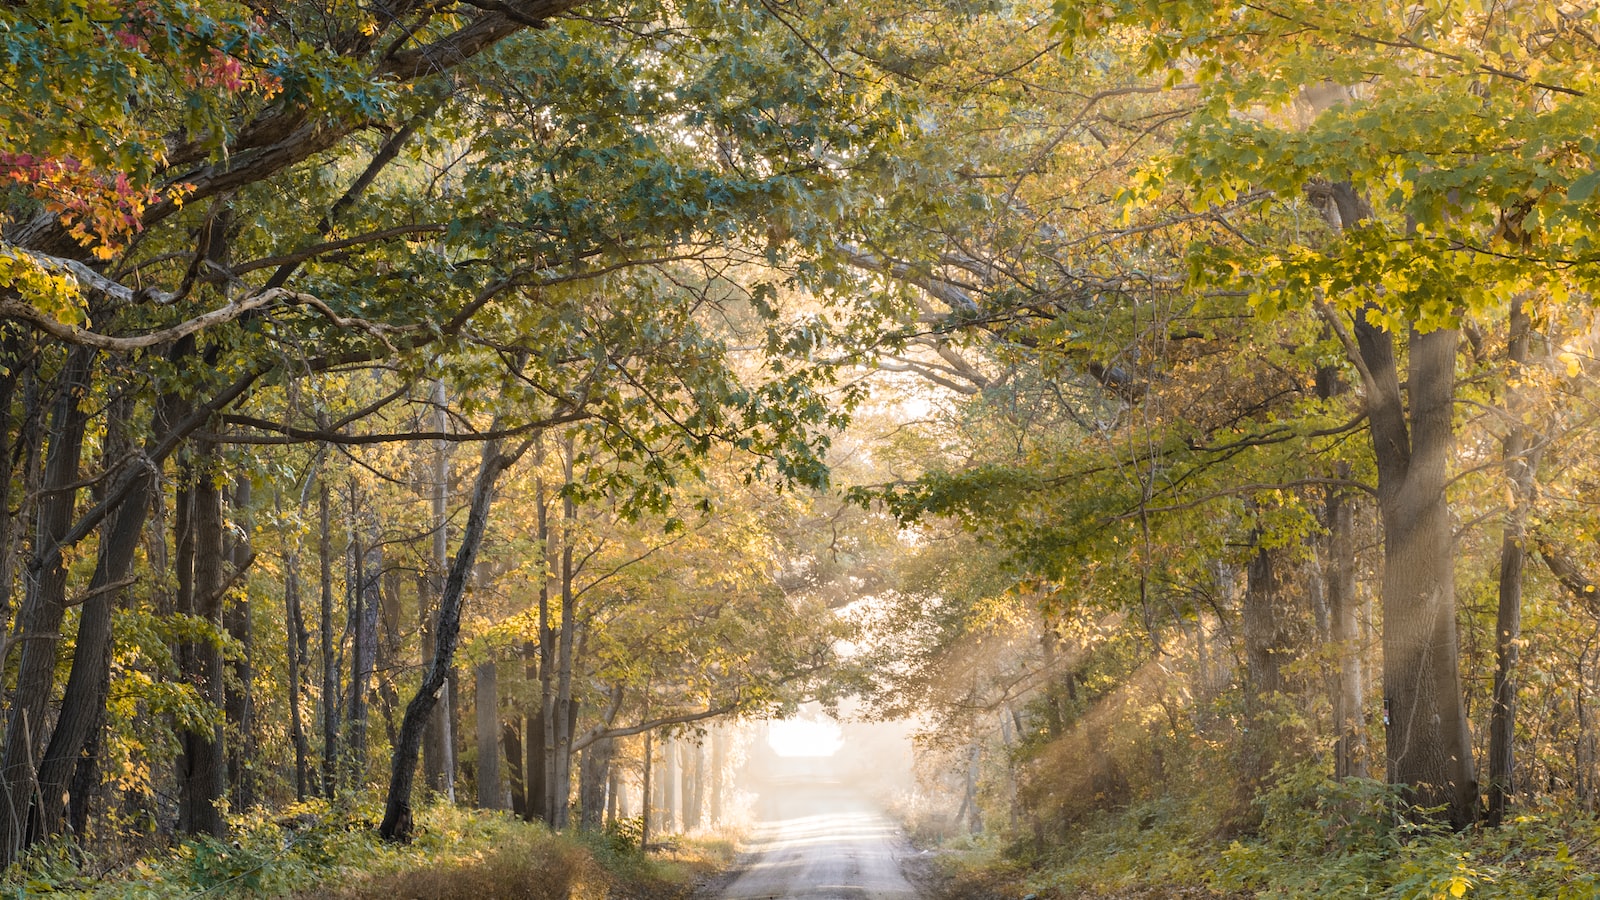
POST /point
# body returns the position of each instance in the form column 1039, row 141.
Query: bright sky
column 804, row 737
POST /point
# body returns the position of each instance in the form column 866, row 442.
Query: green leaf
column 1583, row 188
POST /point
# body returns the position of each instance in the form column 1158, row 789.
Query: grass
column 1316, row 839
column 318, row 851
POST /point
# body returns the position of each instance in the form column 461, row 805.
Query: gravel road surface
column 821, row 842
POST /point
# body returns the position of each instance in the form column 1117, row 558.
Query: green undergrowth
column 1315, row 838
column 314, row 851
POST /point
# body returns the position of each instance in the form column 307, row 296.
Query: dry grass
column 530, row 866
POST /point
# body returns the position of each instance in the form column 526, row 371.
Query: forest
column 433, row 427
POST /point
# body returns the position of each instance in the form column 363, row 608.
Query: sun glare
column 804, row 737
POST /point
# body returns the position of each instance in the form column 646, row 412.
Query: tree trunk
column 1429, row 746
column 1263, row 633
column 547, row 662
column 1263, row 645
column 295, row 651
column 645, row 797
column 514, row 760
column 1521, row 470
column 719, row 762
column 236, row 617
column 44, row 603
column 88, row 683
column 330, row 665
column 366, row 554
column 202, row 779
column 669, row 786
column 440, row 756
column 695, row 797
column 565, row 709
column 488, row 703
column 397, row 824
column 613, row 793
column 1338, row 578
column 593, row 781
column 1350, row 747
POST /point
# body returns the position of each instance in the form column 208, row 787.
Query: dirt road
column 821, row 842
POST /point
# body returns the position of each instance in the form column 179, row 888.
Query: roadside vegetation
column 312, row 850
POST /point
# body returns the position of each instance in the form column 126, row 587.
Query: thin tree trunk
column 719, row 762
column 1521, row 468
column 203, row 766
column 397, row 821
column 566, row 710
column 645, row 797
column 366, row 600
column 330, row 665
column 514, row 760
column 440, row 757
column 295, row 651
column 669, row 786
column 236, row 617
column 613, row 793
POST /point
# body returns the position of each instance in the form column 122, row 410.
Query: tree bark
column 593, row 782
column 397, row 823
column 295, row 651
column 1521, row 470
column 490, row 789
column 366, row 553
column 330, row 665
column 44, row 603
column 1429, row 746
column 1350, row 747
column 439, row 760
column 646, row 799
column 202, row 779
column 83, row 704
column 236, row 617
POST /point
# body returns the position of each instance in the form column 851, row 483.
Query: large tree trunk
column 1350, row 747
column 1521, row 468
column 490, row 790
column 593, row 781
column 397, row 824
column 83, row 705
column 44, row 603
column 1429, row 746
column 1260, row 620
column 202, row 779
